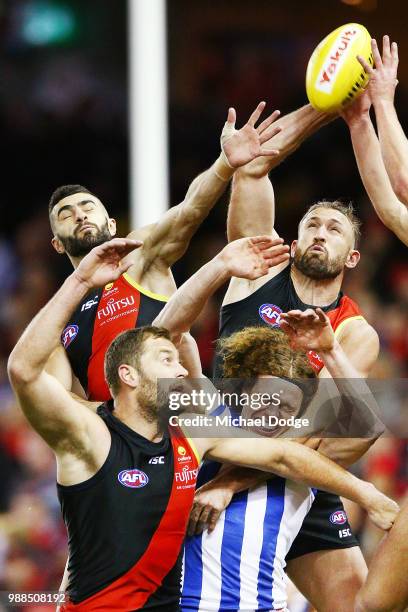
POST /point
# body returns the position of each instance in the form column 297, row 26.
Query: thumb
column 232, row 116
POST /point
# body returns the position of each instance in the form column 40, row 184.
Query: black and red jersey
column 99, row 318
column 126, row 524
column 265, row 305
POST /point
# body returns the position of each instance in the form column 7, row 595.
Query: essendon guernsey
column 100, row 317
column 126, row 524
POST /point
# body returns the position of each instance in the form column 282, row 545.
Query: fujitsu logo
column 335, row 60
column 186, row 475
column 113, row 306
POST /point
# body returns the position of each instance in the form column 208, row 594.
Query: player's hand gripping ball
column 334, row 76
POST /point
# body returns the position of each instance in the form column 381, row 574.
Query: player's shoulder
column 359, row 331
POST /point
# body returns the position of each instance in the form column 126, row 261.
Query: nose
column 181, row 372
column 80, row 215
column 320, row 235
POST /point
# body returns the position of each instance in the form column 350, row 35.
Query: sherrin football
column 334, row 76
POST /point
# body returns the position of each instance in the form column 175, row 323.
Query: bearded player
column 80, row 221
column 321, row 562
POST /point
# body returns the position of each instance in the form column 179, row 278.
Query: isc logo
column 156, row 460
column 89, row 304
column 135, row 479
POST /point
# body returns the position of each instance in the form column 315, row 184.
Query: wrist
column 366, row 493
column 383, row 103
column 359, row 121
column 331, row 351
column 222, row 168
column 78, row 284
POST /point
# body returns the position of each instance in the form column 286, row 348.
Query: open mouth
column 317, row 248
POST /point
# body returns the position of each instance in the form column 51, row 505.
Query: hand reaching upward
column 242, row 146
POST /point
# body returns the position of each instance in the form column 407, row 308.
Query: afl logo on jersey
column 338, row 518
column 69, row 334
column 135, row 479
column 270, row 314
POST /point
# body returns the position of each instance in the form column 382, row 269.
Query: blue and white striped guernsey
column 240, row 565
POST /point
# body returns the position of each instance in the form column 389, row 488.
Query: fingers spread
column 256, row 114
column 376, row 54
column 232, row 116
column 268, row 121
column 365, row 65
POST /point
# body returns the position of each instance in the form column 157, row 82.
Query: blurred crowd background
column 63, row 119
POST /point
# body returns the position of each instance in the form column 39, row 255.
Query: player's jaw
column 84, row 238
column 316, row 263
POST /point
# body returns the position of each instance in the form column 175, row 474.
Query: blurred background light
column 47, row 23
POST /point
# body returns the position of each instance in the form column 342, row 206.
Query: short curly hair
column 256, row 351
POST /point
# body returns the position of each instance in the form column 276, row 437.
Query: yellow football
column 334, row 76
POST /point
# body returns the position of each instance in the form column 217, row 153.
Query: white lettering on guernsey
column 113, row 306
column 89, row 304
column 121, row 314
column 334, row 61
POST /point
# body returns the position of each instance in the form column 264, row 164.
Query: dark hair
column 254, row 351
column 63, row 192
column 345, row 209
column 127, row 348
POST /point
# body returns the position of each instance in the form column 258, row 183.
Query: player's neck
column 75, row 261
column 315, row 292
column 128, row 411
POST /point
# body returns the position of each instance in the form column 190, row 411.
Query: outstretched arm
column 170, row 237
column 296, row 462
column 394, row 143
column 247, row 258
column 50, row 409
column 392, row 212
column 252, row 204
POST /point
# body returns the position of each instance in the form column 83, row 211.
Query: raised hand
column 104, row 263
column 359, row 109
column 308, row 330
column 242, row 146
column 251, row 258
column 383, row 78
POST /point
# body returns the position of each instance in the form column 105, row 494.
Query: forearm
column 252, row 204
column 345, row 451
column 238, row 479
column 42, row 336
column 189, row 300
column 373, row 174
column 311, row 468
column 394, row 147
column 296, row 127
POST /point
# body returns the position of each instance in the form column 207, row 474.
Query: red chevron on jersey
column 117, row 310
column 345, row 311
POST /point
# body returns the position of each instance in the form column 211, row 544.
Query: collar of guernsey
column 102, row 315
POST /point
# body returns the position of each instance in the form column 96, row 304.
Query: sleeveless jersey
column 264, row 307
column 126, row 524
column 240, row 565
column 99, row 318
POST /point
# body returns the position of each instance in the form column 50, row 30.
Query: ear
column 352, row 259
column 128, row 375
column 293, row 248
column 58, row 246
column 112, row 226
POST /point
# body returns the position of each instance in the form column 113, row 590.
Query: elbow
column 18, row 369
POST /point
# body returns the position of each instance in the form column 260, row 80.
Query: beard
column 81, row 246
column 318, row 266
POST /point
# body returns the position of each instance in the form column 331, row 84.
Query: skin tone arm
column 248, row 258
column 381, row 90
column 392, row 212
column 386, row 587
column 301, row 464
column 252, row 204
column 73, row 433
column 169, row 238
